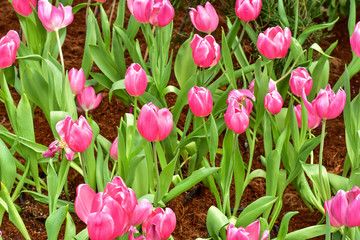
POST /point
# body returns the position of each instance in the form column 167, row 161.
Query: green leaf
column 70, row 228
column 45, row 199
column 285, row 225
column 215, row 221
column 7, row 166
column 166, row 177
column 214, row 139
column 54, row 221
column 282, row 13
column 303, row 36
column 308, row 233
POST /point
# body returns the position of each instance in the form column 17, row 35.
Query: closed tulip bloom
column 135, row 80
column 114, row 150
column 300, row 79
column 77, row 135
column 355, row 40
column 248, row 10
column 23, row 7
column 9, row 45
column 274, row 42
column 336, row 207
column 141, row 9
column 205, row 51
column 251, row 232
column 88, row 100
column 160, row 223
column 352, row 216
column 237, row 117
column 54, row 18
column 154, row 124
column 162, row 13
column 313, row 119
column 200, row 101
column 273, row 102
column 77, row 80
column 272, row 86
column 204, row 19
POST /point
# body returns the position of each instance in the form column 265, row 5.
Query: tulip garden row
column 128, row 181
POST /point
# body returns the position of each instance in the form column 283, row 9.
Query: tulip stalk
column 82, row 160
column 156, row 198
column 321, row 151
column 62, row 60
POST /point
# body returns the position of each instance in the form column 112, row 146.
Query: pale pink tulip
column 248, row 10
column 87, row 99
column 162, row 13
column 272, row 86
column 77, row 80
column 313, row 119
column 200, row 101
column 355, row 40
column 274, row 42
column 114, row 150
column 141, row 9
column 300, row 79
column 237, row 117
column 251, row 232
column 77, row 135
column 160, row 223
column 9, row 45
column 205, row 51
column 273, row 102
column 23, row 7
column 54, row 18
column 154, row 124
column 204, row 19
column 135, row 80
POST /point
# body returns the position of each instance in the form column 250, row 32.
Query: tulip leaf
column 54, row 221
column 166, row 178
column 32, row 57
column 70, row 228
column 45, row 199
column 303, row 36
column 226, row 59
column 312, row 171
column 214, row 139
column 308, row 233
column 285, row 225
column 282, row 14
column 7, row 166
column 215, row 221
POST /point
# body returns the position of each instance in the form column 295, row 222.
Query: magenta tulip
column 54, row 18
column 140, row 9
column 237, row 117
column 272, row 86
column 274, row 42
column 77, row 80
column 87, row 99
column 154, row 124
column 204, row 19
column 205, row 51
column 114, row 150
column 162, row 13
column 300, row 79
column 142, row 210
column 313, row 119
column 23, row 7
column 160, row 223
column 251, row 232
column 273, row 102
column 135, row 80
column 77, row 135
column 200, row 101
column 355, row 40
column 248, row 10
column 9, row 45
column 242, row 96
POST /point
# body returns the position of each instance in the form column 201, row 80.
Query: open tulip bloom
column 251, row 232
column 54, row 18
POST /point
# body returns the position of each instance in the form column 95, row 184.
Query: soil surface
column 190, row 209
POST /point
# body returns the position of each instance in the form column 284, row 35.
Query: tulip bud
column 355, row 40
column 237, row 117
column 154, row 124
column 54, row 18
column 23, row 7
column 274, row 42
column 251, row 232
column 300, row 79
column 273, row 102
column 135, row 80
column 78, row 135
column 205, row 51
column 162, row 13
column 114, row 150
column 313, row 119
column 200, row 101
column 272, row 86
column 87, row 99
column 336, row 207
column 77, row 80
column 161, row 222
column 140, row 9
column 247, row 10
column 9, row 45
column 204, row 19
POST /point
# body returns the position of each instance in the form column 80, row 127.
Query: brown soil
column 191, row 212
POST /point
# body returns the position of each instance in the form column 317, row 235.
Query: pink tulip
column 160, row 223
column 162, row 13
column 205, row 51
column 54, row 18
column 135, row 80
column 77, row 80
column 248, row 10
column 140, row 9
column 154, row 124
column 355, row 40
column 274, row 42
column 242, row 96
column 23, row 7
column 87, row 99
column 200, row 101
column 300, row 79
column 142, row 210
column 205, row 19
column 273, row 102
column 237, row 117
column 313, row 119
column 272, row 86
column 251, row 232
column 100, row 0
column 77, row 135
column 9, row 45
column 114, row 150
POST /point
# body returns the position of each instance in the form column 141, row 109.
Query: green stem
column 345, row 232
column 240, row 38
column 321, row 151
column 156, row 199
column 252, row 147
column 62, row 61
column 82, row 160
column 135, row 105
column 207, row 138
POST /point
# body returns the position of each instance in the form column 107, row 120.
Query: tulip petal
column 83, row 201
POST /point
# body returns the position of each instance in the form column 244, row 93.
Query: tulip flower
column 135, row 80
column 9, row 45
column 114, row 150
column 54, row 18
column 251, row 232
column 242, row 96
column 274, row 42
column 77, row 80
column 205, row 51
column 23, row 7
column 273, row 102
column 272, row 86
column 88, row 100
column 237, row 117
column 160, row 223
column 300, row 79
column 77, row 135
column 204, row 19
column 355, row 40
column 140, row 9
column 313, row 119
column 247, row 10
column 142, row 210
column 154, row 124
column 162, row 13
column 200, row 101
